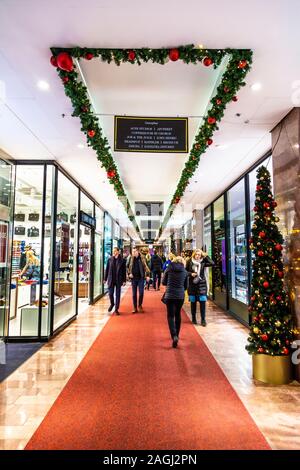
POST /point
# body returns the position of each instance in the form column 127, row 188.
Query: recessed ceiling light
column 42, row 85
column 256, row 86
column 80, row 146
column 200, row 46
column 296, row 146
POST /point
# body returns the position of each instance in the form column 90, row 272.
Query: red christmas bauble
column 84, row 109
column 274, row 204
column 209, row 141
column 255, row 208
column 254, row 319
column 218, row 101
column 235, row 98
column 261, row 350
column 287, row 342
column 260, row 253
column 211, row 120
column 253, row 297
column 197, row 146
column 177, row 199
column 207, row 61
column 65, row 61
column 264, row 337
column 131, row 56
column 266, row 284
column 174, row 54
column 262, row 234
column 279, row 297
column 91, row 133
column 258, row 187
column 111, row 173
column 89, row 56
column 266, row 205
column 278, row 247
column 242, row 64
column 226, row 89
column 53, row 61
column 285, row 351
column 65, row 79
column 280, row 274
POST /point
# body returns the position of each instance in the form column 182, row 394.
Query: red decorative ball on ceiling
column 264, row 337
column 177, row 199
column 266, row 284
column 235, row 98
column 174, row 54
column 218, row 101
column 91, row 133
column 207, row 61
column 260, row 253
column 89, row 56
column 226, row 89
column 53, row 61
column 111, row 174
column 131, row 55
column 65, row 61
column 84, row 109
column 211, row 120
column 65, row 79
column 278, row 247
column 242, row 64
column 209, row 141
column 197, row 146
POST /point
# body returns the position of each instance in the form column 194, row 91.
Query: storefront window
column 6, row 175
column 219, row 253
column 98, row 253
column 237, row 243
column 86, row 204
column 107, row 237
column 65, row 251
column 117, row 235
column 26, row 254
column 207, row 244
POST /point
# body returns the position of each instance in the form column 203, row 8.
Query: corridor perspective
column 149, row 231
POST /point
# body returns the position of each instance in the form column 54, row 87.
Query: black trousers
column 156, row 276
column 202, row 309
column 174, row 316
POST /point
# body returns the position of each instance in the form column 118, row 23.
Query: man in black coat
column 115, row 276
column 156, row 268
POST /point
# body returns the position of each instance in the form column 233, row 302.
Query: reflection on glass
column 238, row 275
column 65, row 251
column 207, row 244
column 219, row 252
column 26, row 254
column 107, row 238
column 86, row 205
column 5, row 218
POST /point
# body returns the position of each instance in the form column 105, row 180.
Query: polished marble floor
column 28, row 393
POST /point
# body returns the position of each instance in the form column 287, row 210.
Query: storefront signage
column 87, row 219
column 140, row 134
column 3, row 244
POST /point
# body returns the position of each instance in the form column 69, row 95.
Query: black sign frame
column 119, row 140
column 87, row 219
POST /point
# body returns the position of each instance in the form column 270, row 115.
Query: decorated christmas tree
column 271, row 326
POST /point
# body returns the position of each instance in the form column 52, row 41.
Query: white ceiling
column 31, row 125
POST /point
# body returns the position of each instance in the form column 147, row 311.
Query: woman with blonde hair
column 175, row 279
column 197, row 288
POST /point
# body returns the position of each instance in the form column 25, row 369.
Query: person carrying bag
column 197, row 285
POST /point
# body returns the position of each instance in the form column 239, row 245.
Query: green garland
column 238, row 66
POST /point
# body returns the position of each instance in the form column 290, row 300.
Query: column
column 198, row 216
column 286, row 170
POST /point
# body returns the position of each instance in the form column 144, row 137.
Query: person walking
column 168, row 261
column 197, row 286
column 175, row 279
column 138, row 272
column 115, row 277
column 148, row 261
column 156, row 266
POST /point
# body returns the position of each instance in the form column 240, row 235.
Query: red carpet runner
column 133, row 391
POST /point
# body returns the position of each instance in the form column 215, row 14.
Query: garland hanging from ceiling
column 233, row 78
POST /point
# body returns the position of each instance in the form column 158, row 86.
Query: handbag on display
column 62, row 217
column 19, row 230
column 48, row 219
column 34, row 217
column 33, row 232
column 73, row 218
column 19, row 217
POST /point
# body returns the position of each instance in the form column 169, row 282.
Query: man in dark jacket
column 115, row 276
column 138, row 271
column 156, row 268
